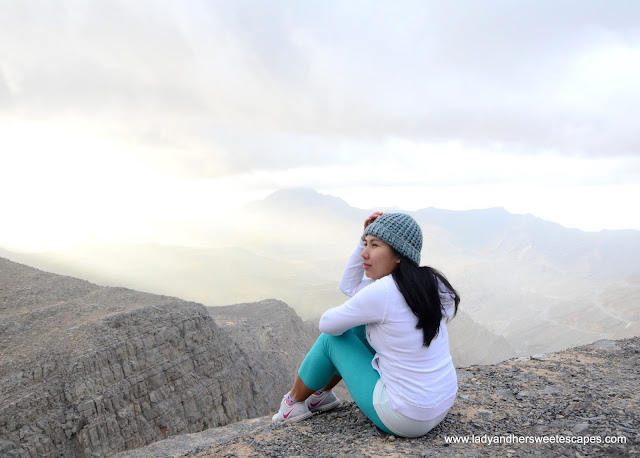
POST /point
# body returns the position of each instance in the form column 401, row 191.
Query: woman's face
column 378, row 258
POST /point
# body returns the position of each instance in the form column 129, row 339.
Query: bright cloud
column 122, row 118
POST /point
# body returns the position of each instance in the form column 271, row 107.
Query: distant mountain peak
column 301, row 196
column 300, row 193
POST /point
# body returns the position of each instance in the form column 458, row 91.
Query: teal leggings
column 348, row 356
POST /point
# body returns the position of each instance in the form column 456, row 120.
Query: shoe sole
column 326, row 407
column 304, row 416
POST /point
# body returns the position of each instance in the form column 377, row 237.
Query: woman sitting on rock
column 389, row 342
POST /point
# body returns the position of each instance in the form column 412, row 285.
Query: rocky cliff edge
column 87, row 370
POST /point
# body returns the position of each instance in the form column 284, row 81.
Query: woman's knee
column 325, row 340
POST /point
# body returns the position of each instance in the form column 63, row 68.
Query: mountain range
column 540, row 286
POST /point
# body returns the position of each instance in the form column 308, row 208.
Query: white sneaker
column 291, row 413
column 323, row 402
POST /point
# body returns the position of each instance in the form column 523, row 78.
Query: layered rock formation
column 273, row 340
column 88, row 370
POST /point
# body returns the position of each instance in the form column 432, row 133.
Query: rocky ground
column 87, row 370
column 573, row 402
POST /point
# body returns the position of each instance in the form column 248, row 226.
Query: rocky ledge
column 579, row 402
column 87, row 370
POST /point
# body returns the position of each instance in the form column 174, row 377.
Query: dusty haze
column 539, row 285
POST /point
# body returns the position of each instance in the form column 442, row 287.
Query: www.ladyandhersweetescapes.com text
column 515, row 439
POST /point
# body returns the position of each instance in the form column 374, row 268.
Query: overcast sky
column 119, row 117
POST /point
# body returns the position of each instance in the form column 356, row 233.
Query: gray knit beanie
column 400, row 231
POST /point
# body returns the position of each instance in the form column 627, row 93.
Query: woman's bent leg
column 361, row 333
column 349, row 357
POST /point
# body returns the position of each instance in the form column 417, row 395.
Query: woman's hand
column 371, row 219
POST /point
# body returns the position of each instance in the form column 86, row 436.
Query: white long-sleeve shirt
column 421, row 381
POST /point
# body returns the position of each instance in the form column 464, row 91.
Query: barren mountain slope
column 89, row 370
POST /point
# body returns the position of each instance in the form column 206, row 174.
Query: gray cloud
column 238, row 85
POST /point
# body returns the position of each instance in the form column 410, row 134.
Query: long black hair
column 419, row 286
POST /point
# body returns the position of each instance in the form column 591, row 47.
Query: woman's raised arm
column 352, row 279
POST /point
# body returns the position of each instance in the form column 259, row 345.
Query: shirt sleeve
column 367, row 306
column 353, row 279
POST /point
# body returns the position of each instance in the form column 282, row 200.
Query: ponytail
column 419, row 286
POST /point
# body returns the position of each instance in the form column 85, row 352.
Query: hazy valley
column 541, row 286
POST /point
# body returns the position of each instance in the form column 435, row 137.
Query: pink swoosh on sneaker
column 313, row 404
column 285, row 415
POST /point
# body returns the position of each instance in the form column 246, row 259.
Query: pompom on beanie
column 400, row 231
